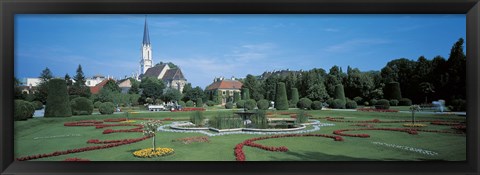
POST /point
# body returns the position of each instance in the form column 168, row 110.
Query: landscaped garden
column 343, row 136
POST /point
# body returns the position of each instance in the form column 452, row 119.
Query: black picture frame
column 8, row 8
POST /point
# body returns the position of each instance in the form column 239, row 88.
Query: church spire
column 146, row 36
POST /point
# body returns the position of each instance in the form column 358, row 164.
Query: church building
column 171, row 77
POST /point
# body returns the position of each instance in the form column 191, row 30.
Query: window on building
column 223, row 92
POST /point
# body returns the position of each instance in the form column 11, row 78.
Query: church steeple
column 146, row 36
column 146, row 57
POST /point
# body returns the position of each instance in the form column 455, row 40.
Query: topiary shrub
column 210, row 103
column 394, row 102
column 340, row 93
column 229, row 105
column 382, row 104
column 189, row 103
column 373, row 102
column 351, row 104
column 23, row 110
column 240, row 103
column 458, row 105
column 97, row 104
column 338, row 104
column 38, row 105
column 304, row 103
column 392, row 91
column 359, row 100
column 294, row 98
column 250, row 104
column 181, row 103
column 405, row 102
column 81, row 106
column 58, row 101
column 281, row 102
column 107, row 108
column 236, row 96
column 263, row 104
column 199, row 102
column 317, row 105
column 330, row 102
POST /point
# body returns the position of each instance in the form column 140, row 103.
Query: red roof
column 225, row 84
column 96, row 89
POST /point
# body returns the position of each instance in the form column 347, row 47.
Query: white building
column 90, row 82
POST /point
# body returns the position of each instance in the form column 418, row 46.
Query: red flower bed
column 407, row 130
column 240, row 155
column 364, row 125
column 376, row 110
column 445, row 123
column 189, row 109
column 75, row 159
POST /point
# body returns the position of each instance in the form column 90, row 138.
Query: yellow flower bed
column 148, row 152
column 414, row 125
column 128, row 121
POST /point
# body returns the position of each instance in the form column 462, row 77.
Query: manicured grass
column 221, row 148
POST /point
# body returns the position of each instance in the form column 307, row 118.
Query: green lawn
column 221, row 148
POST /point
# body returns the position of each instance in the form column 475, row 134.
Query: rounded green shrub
column 281, row 102
column 393, row 102
column 373, row 102
column 458, row 105
column 38, row 105
column 359, row 100
column 189, row 103
column 304, row 103
column 330, row 102
column 405, row 102
column 351, row 104
column 263, row 104
column 382, row 104
column 23, row 110
column 181, row 103
column 229, row 105
column 107, row 108
column 58, row 101
column 210, row 103
column 250, row 104
column 338, row 104
column 81, row 106
column 199, row 102
column 317, row 105
column 97, row 104
column 240, row 103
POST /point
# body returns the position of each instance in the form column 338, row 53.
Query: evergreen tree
column 236, row 96
column 457, row 71
column 245, row 93
column 79, row 88
column 42, row 88
column 112, row 86
column 281, row 102
column 340, row 94
column 135, row 89
column 68, row 80
column 294, row 97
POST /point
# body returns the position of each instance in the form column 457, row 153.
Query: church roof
column 154, row 71
column 146, row 36
column 225, row 84
column 173, row 74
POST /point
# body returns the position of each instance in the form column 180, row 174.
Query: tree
column 151, row 88
column 245, row 93
column 340, row 94
column 269, row 86
column 171, row 95
column 334, row 77
column 112, row 86
column 79, row 88
column 457, row 71
column 281, row 102
column 358, row 84
column 392, row 91
column 42, row 88
column 149, row 129
column 253, row 86
column 16, row 88
column 236, row 96
column 187, row 92
column 427, row 88
column 135, row 89
column 68, row 80
column 58, row 102
column 199, row 102
column 413, row 109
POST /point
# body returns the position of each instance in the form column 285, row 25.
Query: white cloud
column 355, row 44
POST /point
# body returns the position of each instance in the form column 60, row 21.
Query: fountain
column 439, row 105
column 245, row 115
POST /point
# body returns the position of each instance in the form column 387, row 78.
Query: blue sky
column 208, row 46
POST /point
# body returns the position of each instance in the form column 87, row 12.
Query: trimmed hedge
column 240, row 103
column 107, row 108
column 81, row 106
column 340, row 93
column 229, row 105
column 338, row 104
column 373, row 102
column 210, row 103
column 382, row 104
column 317, row 105
column 304, row 103
column 294, row 97
column 189, row 103
column 281, row 101
column 263, row 104
column 199, row 102
column 351, row 104
column 392, row 91
column 97, row 104
column 404, row 102
column 250, row 104
column 23, row 110
column 393, row 102
column 58, row 101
